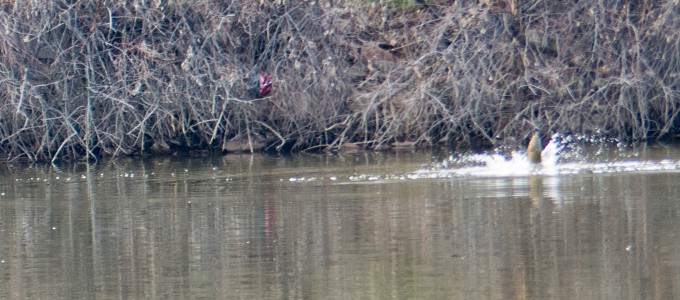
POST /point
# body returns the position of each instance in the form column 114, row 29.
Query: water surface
column 588, row 224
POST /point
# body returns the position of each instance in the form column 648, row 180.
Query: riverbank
column 90, row 80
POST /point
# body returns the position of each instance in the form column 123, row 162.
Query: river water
column 599, row 222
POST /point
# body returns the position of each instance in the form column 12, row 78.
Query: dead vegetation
column 90, row 79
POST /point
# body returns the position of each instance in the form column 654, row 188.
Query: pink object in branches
column 265, row 84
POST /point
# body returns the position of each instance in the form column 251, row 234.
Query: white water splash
column 518, row 165
column 564, row 155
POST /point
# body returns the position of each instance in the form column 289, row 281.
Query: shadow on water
column 588, row 224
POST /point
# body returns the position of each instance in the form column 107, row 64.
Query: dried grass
column 80, row 79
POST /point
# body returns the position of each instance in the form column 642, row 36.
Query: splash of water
column 563, row 155
column 497, row 164
column 517, row 164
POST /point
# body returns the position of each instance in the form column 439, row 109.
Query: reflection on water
column 360, row 226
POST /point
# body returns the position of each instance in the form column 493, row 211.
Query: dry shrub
column 103, row 78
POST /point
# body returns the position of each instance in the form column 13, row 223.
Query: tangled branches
column 90, row 78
